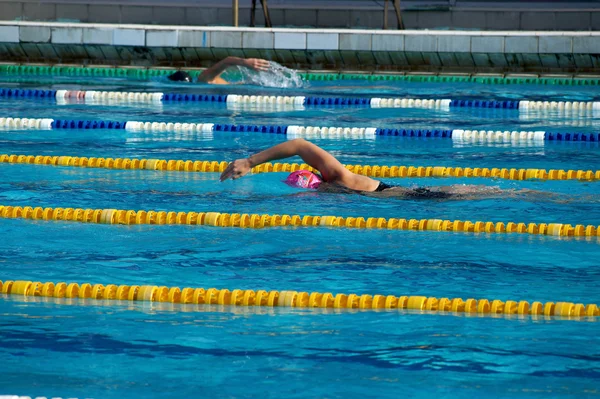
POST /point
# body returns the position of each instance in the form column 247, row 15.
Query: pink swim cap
column 303, row 179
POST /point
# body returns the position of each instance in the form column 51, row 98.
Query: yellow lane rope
column 366, row 170
column 256, row 221
column 238, row 297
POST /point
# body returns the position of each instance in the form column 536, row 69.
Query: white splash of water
column 276, row 76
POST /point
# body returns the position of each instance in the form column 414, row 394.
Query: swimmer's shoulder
column 216, row 81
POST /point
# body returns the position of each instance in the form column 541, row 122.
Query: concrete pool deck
column 368, row 50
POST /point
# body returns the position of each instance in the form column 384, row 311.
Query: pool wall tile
column 556, row 44
column 398, row 58
column 219, row 53
column 251, row 53
column 583, row 44
column 349, row 57
column 4, row 53
column 582, row 60
column 382, row 58
column 161, row 38
column 284, row 57
column 322, row 41
column 15, row 50
column 205, row 55
column 32, row 51
column 191, row 38
column 291, row 41
column 414, row 58
column 498, row 60
column 300, row 57
column 366, row 58
column 432, row 59
column 129, row 37
column 387, row 42
column 521, row 44
column 95, row 52
column 189, row 54
column 335, row 57
column 322, row 59
column 355, row 42
column 47, row 51
column 489, row 60
column 9, row 34
column 110, row 52
column 465, row 60
column 97, row 36
column 529, row 60
column 353, row 49
column 257, row 40
column 71, row 52
column 226, row 39
column 452, row 44
column 67, row 35
column 549, row 60
column 487, row 44
column 236, row 52
column 172, row 54
column 268, row 54
column 36, row 34
column 448, row 60
column 420, row 43
column 481, row 59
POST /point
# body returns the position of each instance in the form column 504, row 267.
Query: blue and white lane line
column 294, row 131
column 566, row 107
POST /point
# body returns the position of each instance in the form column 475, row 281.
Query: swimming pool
column 91, row 348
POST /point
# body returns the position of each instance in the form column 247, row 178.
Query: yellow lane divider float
column 366, row 170
column 257, row 221
column 238, row 297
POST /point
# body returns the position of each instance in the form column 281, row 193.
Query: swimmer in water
column 334, row 177
column 212, row 75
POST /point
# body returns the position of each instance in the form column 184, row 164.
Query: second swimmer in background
column 334, row 177
column 212, row 75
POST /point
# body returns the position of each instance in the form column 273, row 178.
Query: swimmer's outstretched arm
column 330, row 168
column 211, row 74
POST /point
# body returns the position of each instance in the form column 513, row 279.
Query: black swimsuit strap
column 382, row 186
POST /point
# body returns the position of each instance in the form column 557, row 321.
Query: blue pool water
column 73, row 348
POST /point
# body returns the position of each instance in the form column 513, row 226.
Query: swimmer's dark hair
column 180, row 76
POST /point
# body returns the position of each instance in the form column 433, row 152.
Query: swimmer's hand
column 257, row 64
column 236, row 169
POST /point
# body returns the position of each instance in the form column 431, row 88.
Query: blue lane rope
column 81, row 124
column 27, row 93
